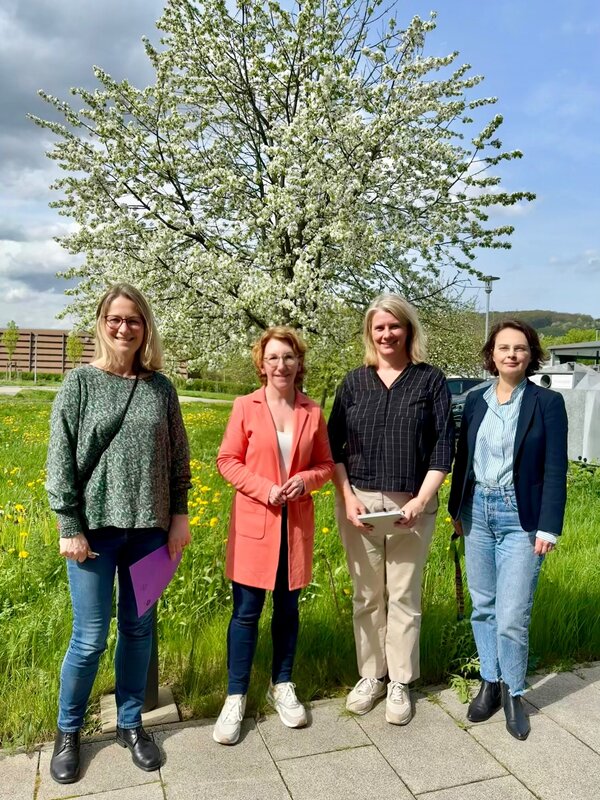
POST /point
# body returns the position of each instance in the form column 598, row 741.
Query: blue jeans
column 502, row 571
column 91, row 584
column 242, row 634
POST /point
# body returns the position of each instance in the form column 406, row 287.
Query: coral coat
column 249, row 460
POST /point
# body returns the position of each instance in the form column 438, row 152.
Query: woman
column 118, row 478
column 391, row 434
column 274, row 452
column 508, row 497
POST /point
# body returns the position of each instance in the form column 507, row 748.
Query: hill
column 548, row 323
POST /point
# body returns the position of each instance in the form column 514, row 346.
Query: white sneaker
column 363, row 696
column 227, row 729
column 398, row 709
column 282, row 696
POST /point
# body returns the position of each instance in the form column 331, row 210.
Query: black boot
column 486, row 703
column 144, row 751
column 517, row 721
column 64, row 765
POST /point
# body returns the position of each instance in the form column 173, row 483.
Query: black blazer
column 539, row 461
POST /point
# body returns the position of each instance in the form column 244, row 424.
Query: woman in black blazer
column 508, row 497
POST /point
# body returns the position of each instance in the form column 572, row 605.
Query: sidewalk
column 438, row 756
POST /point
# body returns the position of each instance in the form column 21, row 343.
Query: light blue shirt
column 495, row 443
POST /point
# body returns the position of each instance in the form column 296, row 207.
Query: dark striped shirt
column 389, row 438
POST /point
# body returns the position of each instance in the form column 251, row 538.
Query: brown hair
column 406, row 314
column 149, row 356
column 283, row 334
column 533, row 340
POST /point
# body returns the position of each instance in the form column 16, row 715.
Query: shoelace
column 367, row 686
column 397, row 692
column 284, row 693
column 233, row 710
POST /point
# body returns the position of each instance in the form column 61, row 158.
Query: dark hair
column 533, row 340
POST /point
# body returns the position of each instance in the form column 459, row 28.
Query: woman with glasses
column 118, row 477
column 275, row 452
column 508, row 498
column 391, row 433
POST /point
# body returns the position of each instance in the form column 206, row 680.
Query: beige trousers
column 387, row 573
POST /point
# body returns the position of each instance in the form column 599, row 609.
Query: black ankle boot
column 144, row 751
column 517, row 721
column 486, row 703
column 64, row 765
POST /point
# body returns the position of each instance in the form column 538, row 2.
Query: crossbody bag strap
column 106, row 444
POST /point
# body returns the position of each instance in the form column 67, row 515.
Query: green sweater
column 142, row 478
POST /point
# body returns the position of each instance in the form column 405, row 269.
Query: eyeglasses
column 133, row 323
column 288, row 360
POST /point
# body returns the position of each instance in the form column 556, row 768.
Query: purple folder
column 150, row 577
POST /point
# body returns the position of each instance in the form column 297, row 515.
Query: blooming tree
column 285, row 165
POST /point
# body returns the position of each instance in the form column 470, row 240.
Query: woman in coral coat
column 275, row 452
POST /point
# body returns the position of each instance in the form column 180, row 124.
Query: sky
column 541, row 58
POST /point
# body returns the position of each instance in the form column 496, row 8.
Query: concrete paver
column 150, row 791
column 198, row 768
column 507, row 788
column 572, row 702
column 340, row 757
column 329, row 728
column 590, row 674
column 551, row 763
column 432, row 751
column 18, row 775
column 344, row 775
column 105, row 766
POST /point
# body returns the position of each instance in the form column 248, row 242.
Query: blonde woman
column 118, row 478
column 391, row 435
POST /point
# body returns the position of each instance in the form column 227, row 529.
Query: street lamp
column 487, row 283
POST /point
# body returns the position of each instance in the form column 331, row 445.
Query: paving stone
column 432, row 751
column 165, row 712
column 105, row 766
column 150, row 791
column 507, row 788
column 590, row 674
column 329, row 728
column 17, row 776
column 198, row 768
column 551, row 763
column 451, row 703
column 571, row 702
column 343, row 775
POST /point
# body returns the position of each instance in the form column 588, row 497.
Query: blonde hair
column 150, row 355
column 283, row 334
column 406, row 314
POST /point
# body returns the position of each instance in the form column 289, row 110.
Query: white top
column 285, row 453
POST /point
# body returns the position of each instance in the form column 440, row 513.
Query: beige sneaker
column 362, row 698
column 398, row 710
column 229, row 723
column 282, row 696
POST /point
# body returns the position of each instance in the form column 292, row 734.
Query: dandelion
column 213, row 521
column 448, row 519
column 19, row 508
column 205, row 488
column 23, row 554
column 447, row 482
column 23, row 534
column 324, row 530
column 11, row 549
column 327, row 493
column 194, row 520
column 315, row 491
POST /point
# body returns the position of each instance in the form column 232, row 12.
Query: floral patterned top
column 142, row 478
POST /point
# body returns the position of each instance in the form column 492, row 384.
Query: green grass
column 194, row 611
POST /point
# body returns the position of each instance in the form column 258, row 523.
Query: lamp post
column 487, row 283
